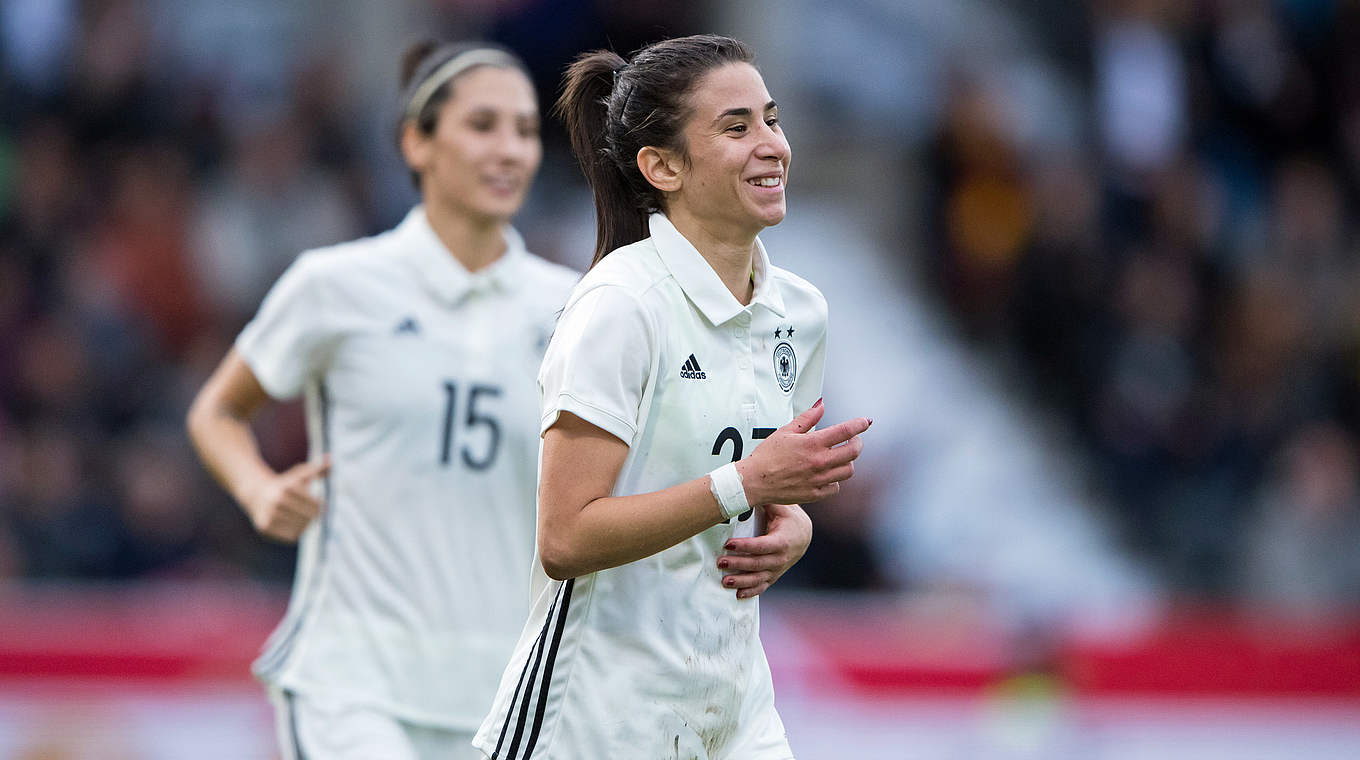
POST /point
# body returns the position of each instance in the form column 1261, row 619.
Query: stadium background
column 1093, row 270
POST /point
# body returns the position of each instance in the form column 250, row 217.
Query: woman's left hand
column 753, row 564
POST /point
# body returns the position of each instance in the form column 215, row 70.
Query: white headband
column 452, row 68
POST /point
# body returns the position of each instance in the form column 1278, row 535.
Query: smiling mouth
column 503, row 184
column 766, row 181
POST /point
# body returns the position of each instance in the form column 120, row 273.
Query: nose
column 772, row 145
column 512, row 145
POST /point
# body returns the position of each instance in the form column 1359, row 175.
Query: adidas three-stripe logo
column 690, row 370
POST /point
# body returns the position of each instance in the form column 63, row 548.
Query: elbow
column 194, row 419
column 556, row 572
column 199, row 420
column 559, row 561
column 556, row 562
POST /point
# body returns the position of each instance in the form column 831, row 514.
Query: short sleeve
column 599, row 361
column 286, row 342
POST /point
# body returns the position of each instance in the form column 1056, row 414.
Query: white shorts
column 310, row 731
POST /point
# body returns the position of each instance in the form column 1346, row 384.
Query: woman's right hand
column 798, row 465
column 281, row 505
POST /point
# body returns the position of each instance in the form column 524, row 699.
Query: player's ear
column 415, row 147
column 663, row 169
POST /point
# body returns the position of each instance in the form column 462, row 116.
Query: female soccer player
column 681, row 350
column 416, row 351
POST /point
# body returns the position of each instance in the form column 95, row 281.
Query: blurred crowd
column 1178, row 284
column 1181, row 286
column 139, row 227
column 161, row 163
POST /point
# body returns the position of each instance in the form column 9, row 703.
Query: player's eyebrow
column 742, row 111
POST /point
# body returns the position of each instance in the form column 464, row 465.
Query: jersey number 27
column 734, row 435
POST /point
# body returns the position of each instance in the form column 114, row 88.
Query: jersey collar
column 443, row 273
column 701, row 284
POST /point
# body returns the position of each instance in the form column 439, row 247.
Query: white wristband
column 725, row 483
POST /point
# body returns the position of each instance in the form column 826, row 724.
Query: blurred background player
column 415, row 508
column 683, row 346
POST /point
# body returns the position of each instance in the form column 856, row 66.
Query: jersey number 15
column 472, row 420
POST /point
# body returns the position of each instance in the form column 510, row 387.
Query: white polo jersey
column 655, row 658
column 413, row 584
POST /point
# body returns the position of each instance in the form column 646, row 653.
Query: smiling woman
column 474, row 155
column 728, row 182
column 674, row 356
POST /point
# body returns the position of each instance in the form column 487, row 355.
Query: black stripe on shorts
column 530, row 657
column 548, row 670
column 291, row 705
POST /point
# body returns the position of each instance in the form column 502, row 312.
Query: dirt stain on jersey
column 726, row 669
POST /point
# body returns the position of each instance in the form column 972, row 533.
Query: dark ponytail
column 613, row 108
column 584, row 108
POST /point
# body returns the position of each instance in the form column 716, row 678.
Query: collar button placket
column 746, row 377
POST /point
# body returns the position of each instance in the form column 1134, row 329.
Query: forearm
column 615, row 530
column 228, row 448
column 582, row 529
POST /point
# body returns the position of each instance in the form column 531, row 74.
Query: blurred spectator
column 1300, row 552
column 138, row 250
column 35, row 36
column 44, row 199
column 270, row 202
column 986, row 212
column 64, row 525
column 12, row 563
column 53, row 373
column 1184, row 294
column 1140, row 87
column 152, row 474
column 113, row 96
column 1057, row 315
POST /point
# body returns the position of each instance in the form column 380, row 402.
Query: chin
column 501, row 210
column 771, row 217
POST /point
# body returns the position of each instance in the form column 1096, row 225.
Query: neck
column 476, row 242
column 730, row 254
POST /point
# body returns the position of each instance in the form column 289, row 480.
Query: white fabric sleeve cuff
column 619, row 428
column 725, row 483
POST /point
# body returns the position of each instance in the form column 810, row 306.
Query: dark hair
column 613, row 108
column 423, row 58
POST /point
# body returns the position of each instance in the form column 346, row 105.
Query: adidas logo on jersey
column 691, row 370
column 407, row 325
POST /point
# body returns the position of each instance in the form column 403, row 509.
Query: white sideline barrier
column 161, row 673
column 129, row 721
